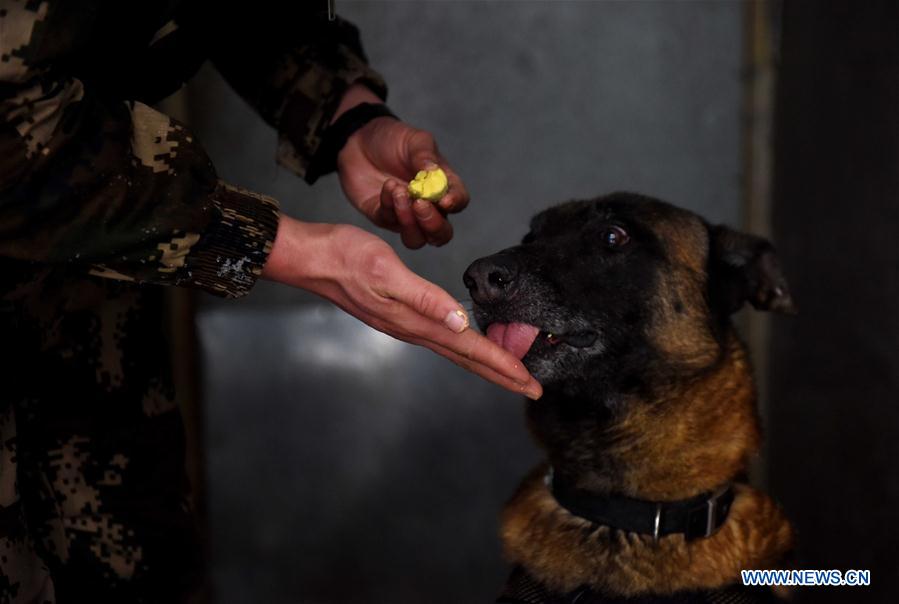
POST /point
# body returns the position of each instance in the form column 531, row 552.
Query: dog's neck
column 565, row 552
column 687, row 435
column 692, row 436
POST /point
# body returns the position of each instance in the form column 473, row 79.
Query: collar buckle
column 704, row 521
column 656, row 522
column 698, row 517
column 712, row 505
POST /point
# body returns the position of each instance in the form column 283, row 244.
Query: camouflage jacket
column 94, row 179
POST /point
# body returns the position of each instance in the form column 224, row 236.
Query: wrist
column 302, row 254
column 355, row 114
column 356, row 94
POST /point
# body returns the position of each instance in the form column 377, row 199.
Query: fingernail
column 429, row 165
column 532, row 390
column 457, row 320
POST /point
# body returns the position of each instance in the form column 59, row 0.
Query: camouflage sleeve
column 294, row 75
column 113, row 188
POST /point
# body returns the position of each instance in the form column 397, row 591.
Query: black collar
column 698, row 516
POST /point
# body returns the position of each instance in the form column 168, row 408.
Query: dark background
column 345, row 467
column 834, row 405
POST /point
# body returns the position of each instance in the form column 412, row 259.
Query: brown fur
column 565, row 552
column 692, row 439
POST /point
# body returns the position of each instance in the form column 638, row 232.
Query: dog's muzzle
column 492, row 279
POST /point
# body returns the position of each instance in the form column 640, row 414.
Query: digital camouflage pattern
column 102, row 199
column 94, row 487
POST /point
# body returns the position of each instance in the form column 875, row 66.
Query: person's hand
column 362, row 274
column 375, row 167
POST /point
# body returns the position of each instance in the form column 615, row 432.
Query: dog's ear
column 744, row 267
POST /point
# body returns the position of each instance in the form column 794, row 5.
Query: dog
column 621, row 307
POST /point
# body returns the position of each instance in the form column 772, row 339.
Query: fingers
column 481, row 351
column 472, row 351
column 418, row 221
column 464, row 354
column 384, row 214
column 422, row 151
column 456, row 198
column 532, row 389
column 395, row 199
column 397, row 301
column 427, row 301
column 432, row 315
column 434, row 225
column 424, row 155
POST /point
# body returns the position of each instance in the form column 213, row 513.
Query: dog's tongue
column 514, row 337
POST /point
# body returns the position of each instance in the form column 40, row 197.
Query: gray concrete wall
column 347, row 467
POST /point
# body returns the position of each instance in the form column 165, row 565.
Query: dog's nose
column 492, row 279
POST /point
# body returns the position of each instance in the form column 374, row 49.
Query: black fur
column 599, row 302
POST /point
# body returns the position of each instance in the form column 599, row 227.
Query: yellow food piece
column 429, row 184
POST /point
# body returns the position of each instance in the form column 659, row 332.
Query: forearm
column 124, row 192
column 361, row 274
column 302, row 253
column 298, row 88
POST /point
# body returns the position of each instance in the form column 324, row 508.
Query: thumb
column 422, row 151
column 431, row 301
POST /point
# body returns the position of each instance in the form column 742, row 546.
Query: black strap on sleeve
column 338, row 133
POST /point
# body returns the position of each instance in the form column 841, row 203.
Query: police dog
column 621, row 307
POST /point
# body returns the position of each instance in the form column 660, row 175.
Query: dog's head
column 615, row 293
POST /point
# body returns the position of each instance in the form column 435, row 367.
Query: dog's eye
column 615, row 236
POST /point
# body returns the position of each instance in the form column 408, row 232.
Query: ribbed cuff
column 228, row 258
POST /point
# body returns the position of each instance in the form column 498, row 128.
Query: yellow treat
column 429, row 184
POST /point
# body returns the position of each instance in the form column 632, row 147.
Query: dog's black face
column 601, row 292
